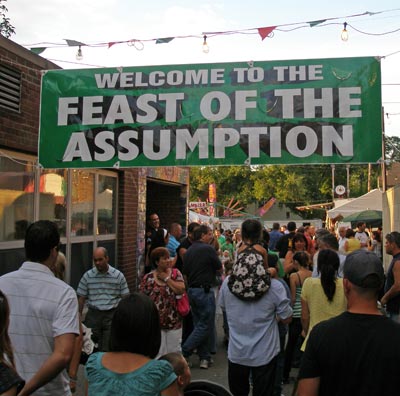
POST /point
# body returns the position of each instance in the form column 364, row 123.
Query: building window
column 17, row 185
column 53, row 197
column 106, row 205
column 10, row 88
column 82, row 209
column 83, row 203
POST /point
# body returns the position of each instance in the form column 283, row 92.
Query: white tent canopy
column 368, row 201
column 199, row 218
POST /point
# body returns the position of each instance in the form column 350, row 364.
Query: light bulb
column 206, row 48
column 79, row 55
column 345, row 35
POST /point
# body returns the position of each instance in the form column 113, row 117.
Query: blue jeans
column 202, row 305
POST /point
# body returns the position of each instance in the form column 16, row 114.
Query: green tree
column 294, row 186
column 6, row 29
column 392, row 148
column 231, row 182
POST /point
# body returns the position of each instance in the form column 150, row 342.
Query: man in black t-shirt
column 200, row 266
column 391, row 298
column 187, row 321
column 357, row 352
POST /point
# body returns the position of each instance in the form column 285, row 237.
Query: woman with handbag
column 166, row 287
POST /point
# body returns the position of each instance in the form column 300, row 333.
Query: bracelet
column 166, row 279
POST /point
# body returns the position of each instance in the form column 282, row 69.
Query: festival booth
column 202, row 219
column 369, row 201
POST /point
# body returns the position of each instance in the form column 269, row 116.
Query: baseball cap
column 364, row 269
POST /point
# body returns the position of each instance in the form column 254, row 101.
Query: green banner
column 311, row 111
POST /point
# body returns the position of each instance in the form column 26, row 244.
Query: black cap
column 364, row 269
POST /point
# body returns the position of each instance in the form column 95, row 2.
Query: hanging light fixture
column 79, row 55
column 206, row 48
column 345, row 35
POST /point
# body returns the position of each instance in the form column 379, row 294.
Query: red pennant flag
column 266, row 31
column 111, row 44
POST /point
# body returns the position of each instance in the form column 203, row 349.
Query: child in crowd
column 181, row 369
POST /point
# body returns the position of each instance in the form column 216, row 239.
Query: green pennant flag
column 38, row 50
column 164, row 40
column 315, row 23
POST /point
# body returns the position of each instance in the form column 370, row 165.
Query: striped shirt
column 103, row 291
column 42, row 307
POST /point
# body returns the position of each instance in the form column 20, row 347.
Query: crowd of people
column 292, row 297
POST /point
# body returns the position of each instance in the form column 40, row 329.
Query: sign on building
column 197, row 205
column 278, row 112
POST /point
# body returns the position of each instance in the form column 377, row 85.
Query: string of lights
column 263, row 32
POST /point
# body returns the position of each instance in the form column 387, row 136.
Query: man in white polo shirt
column 44, row 319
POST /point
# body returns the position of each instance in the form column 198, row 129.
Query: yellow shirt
column 352, row 245
column 319, row 306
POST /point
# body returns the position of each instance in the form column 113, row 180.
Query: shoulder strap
column 298, row 276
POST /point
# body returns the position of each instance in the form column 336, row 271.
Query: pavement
column 218, row 372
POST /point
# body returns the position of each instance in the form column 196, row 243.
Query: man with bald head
column 102, row 287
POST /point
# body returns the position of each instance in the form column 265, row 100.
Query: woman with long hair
column 322, row 298
column 301, row 262
column 10, row 382
column 129, row 368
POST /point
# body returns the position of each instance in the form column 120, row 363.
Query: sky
column 48, row 22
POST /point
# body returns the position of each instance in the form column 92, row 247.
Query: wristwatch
column 166, row 279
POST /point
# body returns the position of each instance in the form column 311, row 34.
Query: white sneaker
column 204, row 364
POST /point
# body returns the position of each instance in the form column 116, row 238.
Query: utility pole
column 369, row 177
column 383, row 163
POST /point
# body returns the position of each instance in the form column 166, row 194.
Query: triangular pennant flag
column 164, row 40
column 74, row 43
column 38, row 50
column 266, row 31
column 315, row 23
column 111, row 44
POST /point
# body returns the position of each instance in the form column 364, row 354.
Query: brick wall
column 127, row 225
column 19, row 131
column 165, row 200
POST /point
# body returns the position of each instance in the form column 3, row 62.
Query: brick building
column 93, row 207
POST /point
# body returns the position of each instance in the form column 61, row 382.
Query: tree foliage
column 392, row 148
column 231, row 181
column 6, row 28
column 292, row 185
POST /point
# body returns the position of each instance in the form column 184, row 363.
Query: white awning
column 371, row 200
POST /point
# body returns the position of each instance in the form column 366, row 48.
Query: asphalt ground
column 217, row 373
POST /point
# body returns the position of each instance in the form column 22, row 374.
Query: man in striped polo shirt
column 102, row 287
